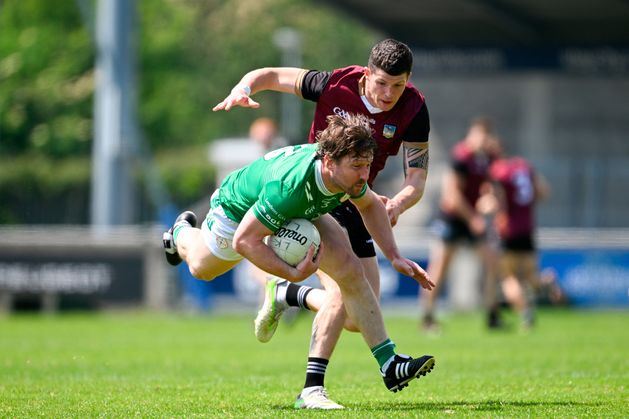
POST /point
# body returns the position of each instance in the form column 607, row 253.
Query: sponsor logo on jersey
column 264, row 211
column 388, row 131
column 327, row 202
column 344, row 114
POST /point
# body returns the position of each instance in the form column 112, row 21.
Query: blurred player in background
column 460, row 221
column 305, row 181
column 263, row 131
column 399, row 116
column 517, row 189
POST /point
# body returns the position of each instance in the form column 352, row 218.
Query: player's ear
column 328, row 163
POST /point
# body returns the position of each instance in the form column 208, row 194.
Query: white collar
column 319, row 179
column 370, row 107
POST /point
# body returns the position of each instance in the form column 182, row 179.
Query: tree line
column 189, row 55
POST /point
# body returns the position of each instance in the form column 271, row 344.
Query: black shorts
column 519, row 244
column 452, row 230
column 349, row 218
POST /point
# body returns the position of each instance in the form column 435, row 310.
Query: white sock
column 280, row 296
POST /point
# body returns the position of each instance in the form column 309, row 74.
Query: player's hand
column 237, row 97
column 478, row 225
column 393, row 210
column 487, row 204
column 310, row 264
column 412, row 269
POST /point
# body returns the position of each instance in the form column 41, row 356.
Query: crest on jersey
column 222, row 242
column 388, row 131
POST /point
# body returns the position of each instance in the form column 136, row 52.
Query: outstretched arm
column 415, row 174
column 375, row 217
column 279, row 79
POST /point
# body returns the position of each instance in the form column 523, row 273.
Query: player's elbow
column 241, row 245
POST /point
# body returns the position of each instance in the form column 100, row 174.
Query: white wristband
column 244, row 87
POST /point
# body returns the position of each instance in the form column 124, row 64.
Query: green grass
column 574, row 364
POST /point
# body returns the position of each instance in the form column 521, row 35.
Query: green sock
column 383, row 351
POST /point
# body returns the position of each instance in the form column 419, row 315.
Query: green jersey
column 282, row 185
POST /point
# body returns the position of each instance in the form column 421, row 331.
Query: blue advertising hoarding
column 589, row 277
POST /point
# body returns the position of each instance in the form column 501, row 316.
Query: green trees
column 189, row 55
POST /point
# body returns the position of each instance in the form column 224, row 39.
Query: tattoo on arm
column 416, row 158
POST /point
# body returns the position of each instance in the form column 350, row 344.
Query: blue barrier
column 591, row 277
column 588, row 277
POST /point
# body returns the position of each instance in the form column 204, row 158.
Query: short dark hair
column 350, row 135
column 394, row 57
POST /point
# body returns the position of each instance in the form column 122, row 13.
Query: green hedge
column 38, row 190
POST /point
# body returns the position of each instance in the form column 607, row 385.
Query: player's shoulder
column 499, row 168
column 350, row 70
column 413, row 93
column 461, row 151
column 303, row 163
column 520, row 162
column 346, row 74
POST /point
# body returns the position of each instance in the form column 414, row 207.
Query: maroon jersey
column 473, row 167
column 515, row 175
column 337, row 92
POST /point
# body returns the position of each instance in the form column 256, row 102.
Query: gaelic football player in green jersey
column 305, row 181
column 398, row 115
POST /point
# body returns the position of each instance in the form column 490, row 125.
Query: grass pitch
column 574, row 364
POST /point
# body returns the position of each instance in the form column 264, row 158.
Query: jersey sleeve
column 313, row 83
column 419, row 128
column 272, row 205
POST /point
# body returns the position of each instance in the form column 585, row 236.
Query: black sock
column 315, row 372
column 296, row 295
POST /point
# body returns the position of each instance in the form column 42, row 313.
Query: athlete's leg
column 207, row 251
column 488, row 256
column 202, row 263
column 531, row 282
column 317, row 297
column 511, row 285
column 363, row 309
column 440, row 259
column 345, row 268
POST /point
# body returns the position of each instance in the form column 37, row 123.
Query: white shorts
column 218, row 233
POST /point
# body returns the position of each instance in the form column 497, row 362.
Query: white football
column 292, row 241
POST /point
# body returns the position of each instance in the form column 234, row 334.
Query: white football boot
column 269, row 315
column 315, row 398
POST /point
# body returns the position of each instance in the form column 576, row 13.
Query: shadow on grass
column 477, row 406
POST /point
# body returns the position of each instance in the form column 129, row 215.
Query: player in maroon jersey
column 517, row 189
column 399, row 117
column 460, row 221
